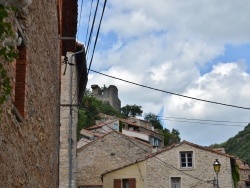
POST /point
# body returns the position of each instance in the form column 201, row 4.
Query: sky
column 196, row 48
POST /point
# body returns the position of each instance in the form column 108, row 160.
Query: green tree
column 87, row 92
column 169, row 137
column 166, row 134
column 7, row 53
column 154, row 120
column 131, row 110
column 174, row 136
column 90, row 110
column 239, row 145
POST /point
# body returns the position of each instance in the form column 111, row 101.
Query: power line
column 79, row 21
column 208, row 120
column 172, row 93
column 154, row 156
column 195, row 122
column 98, row 30
column 90, row 12
column 92, row 27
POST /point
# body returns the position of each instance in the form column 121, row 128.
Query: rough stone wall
column 158, row 174
column 109, row 152
column 109, row 95
column 29, row 149
column 67, row 121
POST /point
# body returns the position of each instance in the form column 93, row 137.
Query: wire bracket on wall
column 66, row 38
column 69, row 105
column 66, row 62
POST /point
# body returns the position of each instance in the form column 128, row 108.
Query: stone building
column 109, row 95
column 73, row 83
column 71, row 96
column 29, row 125
column 244, row 172
column 133, row 127
column 111, row 151
column 178, row 166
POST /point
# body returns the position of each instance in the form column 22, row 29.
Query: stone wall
column 109, row 152
column 29, row 149
column 109, row 95
column 161, row 168
column 68, row 125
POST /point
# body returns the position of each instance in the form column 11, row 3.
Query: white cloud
column 226, row 83
column 164, row 44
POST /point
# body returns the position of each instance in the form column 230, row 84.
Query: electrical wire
column 98, row 30
column 172, row 93
column 79, row 20
column 90, row 12
column 92, row 27
column 195, row 122
column 154, row 156
column 206, row 120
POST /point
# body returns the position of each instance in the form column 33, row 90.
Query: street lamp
column 217, row 170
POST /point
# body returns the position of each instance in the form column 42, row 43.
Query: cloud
column 226, row 83
column 212, row 20
column 165, row 45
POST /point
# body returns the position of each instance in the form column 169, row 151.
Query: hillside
column 92, row 107
column 239, row 145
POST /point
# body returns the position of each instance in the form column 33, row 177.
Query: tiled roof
column 127, row 137
column 137, row 161
column 170, row 147
column 135, row 124
column 101, row 124
column 129, row 122
column 193, row 145
column 83, row 131
column 242, row 165
column 208, row 149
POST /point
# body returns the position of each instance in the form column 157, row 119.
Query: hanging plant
column 7, row 51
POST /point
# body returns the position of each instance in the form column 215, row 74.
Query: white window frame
column 171, row 178
column 186, row 159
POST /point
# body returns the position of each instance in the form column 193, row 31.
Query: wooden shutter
column 132, row 183
column 117, row 183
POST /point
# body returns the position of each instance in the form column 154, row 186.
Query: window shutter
column 117, row 183
column 132, row 183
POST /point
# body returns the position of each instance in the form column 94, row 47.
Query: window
column 125, row 183
column 175, row 182
column 116, row 126
column 186, row 159
column 20, row 81
column 155, row 141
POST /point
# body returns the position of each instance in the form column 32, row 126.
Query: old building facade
column 133, row 127
column 29, row 131
column 111, row 151
column 178, row 166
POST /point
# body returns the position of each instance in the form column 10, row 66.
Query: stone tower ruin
column 109, row 95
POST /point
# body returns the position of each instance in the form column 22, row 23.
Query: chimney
column 154, row 149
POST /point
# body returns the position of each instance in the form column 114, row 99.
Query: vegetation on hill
column 169, row 137
column 131, row 110
column 92, row 107
column 90, row 110
column 239, row 145
column 7, row 52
